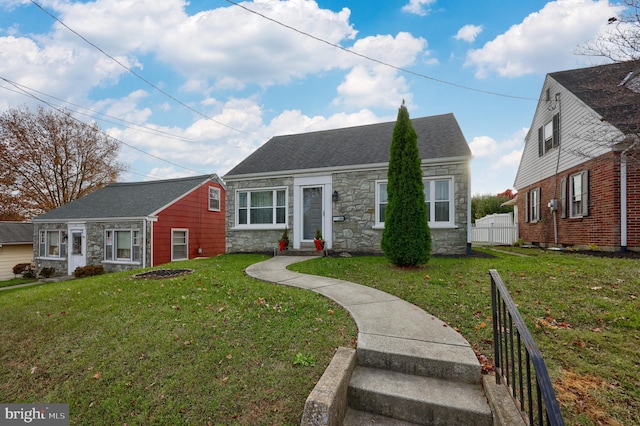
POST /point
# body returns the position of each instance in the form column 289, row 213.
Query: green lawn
column 583, row 311
column 16, row 281
column 216, row 347
column 213, row 347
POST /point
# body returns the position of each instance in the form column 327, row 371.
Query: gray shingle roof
column 602, row 90
column 131, row 199
column 16, row 233
column 438, row 137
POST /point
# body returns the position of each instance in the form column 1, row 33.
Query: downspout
column 554, row 207
column 144, row 242
column 469, row 230
column 623, row 195
column 623, row 201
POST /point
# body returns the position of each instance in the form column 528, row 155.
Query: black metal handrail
column 541, row 408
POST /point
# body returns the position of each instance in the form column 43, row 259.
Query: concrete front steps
column 413, row 384
column 409, row 367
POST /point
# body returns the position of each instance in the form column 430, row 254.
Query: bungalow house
column 335, row 181
column 579, row 177
column 16, row 246
column 134, row 225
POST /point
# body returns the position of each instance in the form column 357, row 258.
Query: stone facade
column 95, row 234
column 357, row 199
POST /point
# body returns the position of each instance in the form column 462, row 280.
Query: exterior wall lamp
column 335, row 197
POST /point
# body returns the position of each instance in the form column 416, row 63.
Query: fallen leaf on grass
column 98, row 375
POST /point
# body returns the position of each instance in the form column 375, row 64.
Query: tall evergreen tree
column 406, row 238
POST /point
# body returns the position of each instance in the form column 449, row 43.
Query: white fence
column 495, row 229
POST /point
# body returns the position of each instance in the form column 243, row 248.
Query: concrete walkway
column 386, row 323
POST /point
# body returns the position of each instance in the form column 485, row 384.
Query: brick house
column 579, row 177
column 335, row 181
column 134, row 225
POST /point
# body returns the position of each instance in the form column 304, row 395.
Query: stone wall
column 357, row 233
column 94, row 246
column 265, row 240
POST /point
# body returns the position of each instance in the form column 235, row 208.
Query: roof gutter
column 336, row 169
column 96, row 219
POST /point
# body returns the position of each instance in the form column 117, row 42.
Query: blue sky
column 194, row 87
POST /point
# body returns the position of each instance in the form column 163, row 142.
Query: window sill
column 122, row 262
column 437, row 226
column 279, row 227
column 51, row 258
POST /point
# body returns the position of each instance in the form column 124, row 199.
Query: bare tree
column 48, row 158
column 621, row 40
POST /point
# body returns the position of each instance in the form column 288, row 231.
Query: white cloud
column 468, row 33
column 544, row 41
column 418, row 7
column 483, row 146
column 370, row 84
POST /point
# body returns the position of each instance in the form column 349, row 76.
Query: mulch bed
column 163, row 273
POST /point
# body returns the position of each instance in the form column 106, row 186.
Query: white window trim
column 122, row 261
column 534, row 218
column 61, row 255
column 263, row 226
column 432, row 224
column 186, row 232
column 584, row 195
column 214, row 190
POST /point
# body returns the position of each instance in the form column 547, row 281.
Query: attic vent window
column 632, row 81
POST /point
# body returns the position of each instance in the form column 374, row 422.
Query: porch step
column 418, row 399
column 361, row 418
column 301, row 252
column 452, row 362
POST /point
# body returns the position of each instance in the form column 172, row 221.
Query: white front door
column 77, row 247
column 312, row 209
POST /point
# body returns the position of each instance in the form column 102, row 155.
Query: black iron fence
column 515, row 354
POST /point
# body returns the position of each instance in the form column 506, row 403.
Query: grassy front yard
column 583, row 311
column 213, row 347
column 216, row 347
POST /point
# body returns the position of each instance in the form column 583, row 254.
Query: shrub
column 20, row 268
column 87, row 271
column 47, row 272
column 29, row 272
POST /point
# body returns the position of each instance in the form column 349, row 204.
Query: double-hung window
column 549, row 135
column 579, row 194
column 122, row 245
column 262, row 207
column 52, row 244
column 179, row 244
column 532, row 205
column 214, row 199
column 438, row 197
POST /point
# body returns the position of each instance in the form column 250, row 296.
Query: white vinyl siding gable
column 577, row 123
